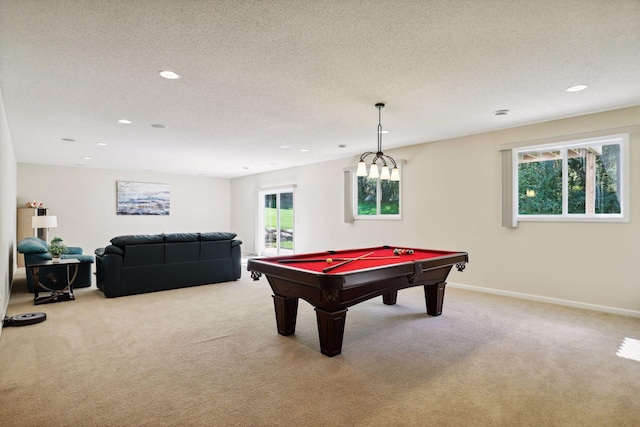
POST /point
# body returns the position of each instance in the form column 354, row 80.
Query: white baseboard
column 567, row 303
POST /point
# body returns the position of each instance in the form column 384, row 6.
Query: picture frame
column 143, row 198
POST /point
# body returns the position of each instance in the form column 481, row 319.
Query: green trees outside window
column 278, row 220
column 593, row 176
column 591, row 185
column 367, row 197
column 540, row 184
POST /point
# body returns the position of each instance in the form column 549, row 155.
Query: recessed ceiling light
column 342, row 146
column 102, row 144
column 69, row 139
column 245, row 167
column 124, row 121
column 158, row 126
column 304, row 150
column 171, row 75
column 576, row 88
column 86, row 158
column 501, row 113
column 285, row 146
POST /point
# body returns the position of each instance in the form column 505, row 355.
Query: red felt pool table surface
column 375, row 257
column 344, row 282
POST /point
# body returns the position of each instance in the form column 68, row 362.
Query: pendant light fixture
column 378, row 156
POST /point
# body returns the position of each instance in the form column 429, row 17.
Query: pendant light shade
column 373, row 171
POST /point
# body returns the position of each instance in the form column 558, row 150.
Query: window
column 584, row 180
column 376, row 198
column 276, row 221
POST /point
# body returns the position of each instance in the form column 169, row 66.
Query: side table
column 65, row 293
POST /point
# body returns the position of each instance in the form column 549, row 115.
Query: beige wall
column 451, row 200
column 84, row 200
column 7, row 211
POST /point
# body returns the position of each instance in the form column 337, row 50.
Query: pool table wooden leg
column 331, row 331
column 434, row 296
column 286, row 314
column 390, row 298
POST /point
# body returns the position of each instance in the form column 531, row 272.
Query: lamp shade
column 373, row 172
column 395, row 174
column 362, row 169
column 384, row 174
column 44, row 221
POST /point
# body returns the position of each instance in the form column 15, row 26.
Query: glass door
column 276, row 223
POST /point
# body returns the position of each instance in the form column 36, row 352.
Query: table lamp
column 46, row 222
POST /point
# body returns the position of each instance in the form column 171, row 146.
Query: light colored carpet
column 210, row 356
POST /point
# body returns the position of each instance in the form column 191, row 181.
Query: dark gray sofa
column 138, row 264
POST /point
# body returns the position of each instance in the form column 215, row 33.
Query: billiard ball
column 329, row 260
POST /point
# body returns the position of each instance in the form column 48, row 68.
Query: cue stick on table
column 293, row 261
column 333, row 267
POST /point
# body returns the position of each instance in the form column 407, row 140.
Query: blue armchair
column 35, row 250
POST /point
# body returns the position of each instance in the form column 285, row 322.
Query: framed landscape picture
column 143, row 198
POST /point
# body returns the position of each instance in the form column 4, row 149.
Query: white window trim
column 622, row 139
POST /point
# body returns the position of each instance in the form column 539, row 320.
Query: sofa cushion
column 32, row 245
column 111, row 249
column 217, row 235
column 181, row 237
column 137, row 239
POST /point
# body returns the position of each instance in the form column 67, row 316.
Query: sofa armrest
column 71, row 250
column 32, row 245
column 236, row 259
column 108, row 269
column 33, row 258
column 85, row 259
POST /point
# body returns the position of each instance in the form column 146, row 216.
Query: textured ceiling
column 257, row 75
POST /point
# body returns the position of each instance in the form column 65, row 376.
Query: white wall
column 84, row 200
column 8, row 178
column 451, row 200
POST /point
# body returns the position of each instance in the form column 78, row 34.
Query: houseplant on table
column 57, row 248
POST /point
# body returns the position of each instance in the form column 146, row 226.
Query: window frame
column 564, row 146
column 354, row 199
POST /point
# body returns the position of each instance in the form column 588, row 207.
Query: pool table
column 331, row 281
